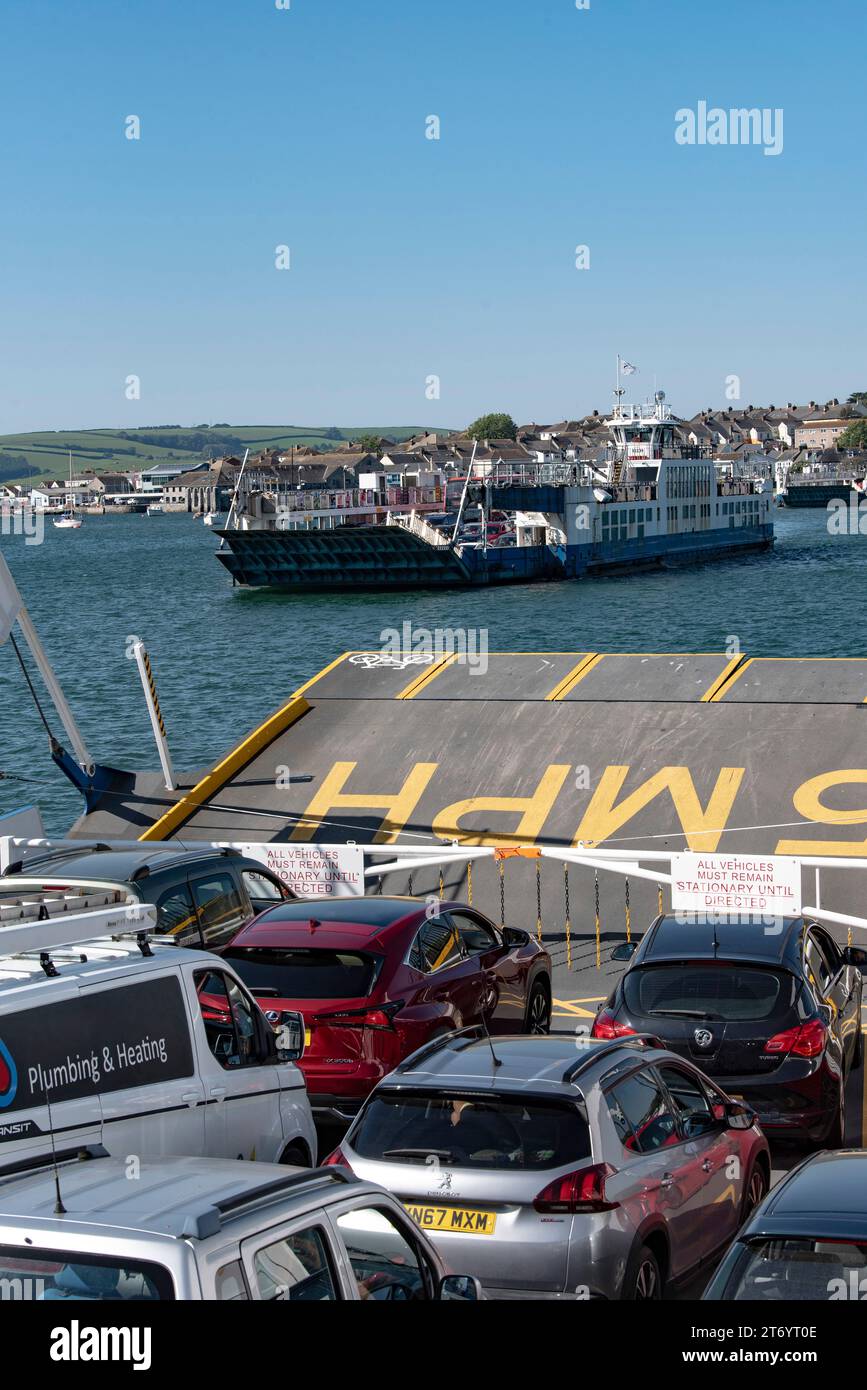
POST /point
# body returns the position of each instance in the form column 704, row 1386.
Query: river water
column 223, row 658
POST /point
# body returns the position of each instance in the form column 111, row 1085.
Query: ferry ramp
column 671, row 751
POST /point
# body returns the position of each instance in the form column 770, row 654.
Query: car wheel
column 644, row 1280
column 754, row 1192
column 538, row 1019
column 296, row 1155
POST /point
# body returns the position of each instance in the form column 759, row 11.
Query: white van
column 138, row 1045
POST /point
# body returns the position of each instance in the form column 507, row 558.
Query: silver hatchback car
column 556, row 1167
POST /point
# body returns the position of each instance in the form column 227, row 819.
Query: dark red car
column 377, row 977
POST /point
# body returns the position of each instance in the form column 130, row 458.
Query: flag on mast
column 627, row 368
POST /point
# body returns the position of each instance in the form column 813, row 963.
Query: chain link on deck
column 628, row 919
column 470, row 882
column 502, row 870
column 659, row 898
column 598, row 938
column 568, row 916
column 442, row 885
column 538, row 900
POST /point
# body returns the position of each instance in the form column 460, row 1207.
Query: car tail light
column 380, row 1018
column 605, row 1025
column 807, row 1040
column 336, row 1159
column 583, row 1190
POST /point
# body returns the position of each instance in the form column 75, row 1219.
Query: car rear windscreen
column 471, row 1132
column 732, row 993
column 796, row 1270
column 302, row 973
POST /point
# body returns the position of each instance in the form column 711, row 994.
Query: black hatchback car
column 772, row 1014
column 807, row 1240
column 202, row 896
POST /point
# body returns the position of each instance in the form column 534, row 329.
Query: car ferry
column 650, row 502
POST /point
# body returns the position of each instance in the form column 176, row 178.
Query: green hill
column 45, row 454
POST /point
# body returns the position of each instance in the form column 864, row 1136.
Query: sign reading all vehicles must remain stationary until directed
column 762, row 884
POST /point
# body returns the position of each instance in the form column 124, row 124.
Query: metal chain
column 598, row 938
column 628, row 927
column 502, row 869
column 568, row 915
column 538, row 899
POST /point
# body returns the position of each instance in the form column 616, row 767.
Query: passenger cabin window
column 641, row 1114
column 691, row 1105
column 385, row 1263
column 263, row 889
column 436, row 946
column 475, row 936
column 297, row 1269
column 230, row 1286
column 817, row 964
column 220, row 907
column 229, row 1019
column 176, row 915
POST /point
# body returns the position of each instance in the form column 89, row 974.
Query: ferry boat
column 651, row 502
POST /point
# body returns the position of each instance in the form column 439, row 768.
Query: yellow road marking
column 572, row 1009
column 217, row 778
column 725, row 686
column 575, row 677
column 566, row 680
column 418, row 683
column 713, row 689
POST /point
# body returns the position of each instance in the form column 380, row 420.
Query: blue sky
column 412, row 257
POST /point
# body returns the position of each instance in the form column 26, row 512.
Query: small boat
column 68, row 521
column 210, row 518
column 155, row 509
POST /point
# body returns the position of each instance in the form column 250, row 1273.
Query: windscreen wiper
column 685, row 1013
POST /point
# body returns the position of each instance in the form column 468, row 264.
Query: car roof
column 826, row 1194
column 742, row 938
column 116, row 865
column 359, row 920
column 169, row 1197
column 526, row 1061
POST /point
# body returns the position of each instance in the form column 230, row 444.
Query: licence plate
column 469, row 1223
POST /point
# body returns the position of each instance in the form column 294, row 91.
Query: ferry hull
column 816, row 494
column 390, row 558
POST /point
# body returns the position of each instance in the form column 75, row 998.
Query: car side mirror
column 515, row 936
column 739, row 1115
column 464, row 1287
column 290, row 1034
column 857, row 956
column 625, row 951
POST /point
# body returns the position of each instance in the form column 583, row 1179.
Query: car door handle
column 191, row 1097
column 667, row 1180
column 218, row 1092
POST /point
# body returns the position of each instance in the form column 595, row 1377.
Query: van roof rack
column 209, row 1222
column 123, row 921
column 80, row 1154
column 610, row 1045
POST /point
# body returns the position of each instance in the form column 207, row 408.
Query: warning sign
column 312, row 871
column 768, row 884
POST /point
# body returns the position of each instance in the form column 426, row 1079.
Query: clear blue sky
column 413, row 257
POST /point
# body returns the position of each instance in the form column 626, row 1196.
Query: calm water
column 224, row 658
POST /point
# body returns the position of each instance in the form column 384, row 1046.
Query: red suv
column 377, row 977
